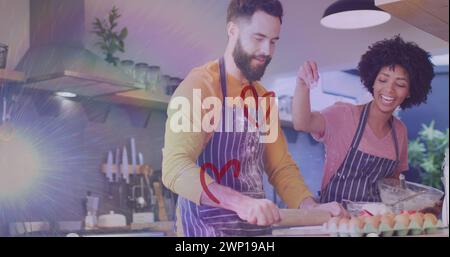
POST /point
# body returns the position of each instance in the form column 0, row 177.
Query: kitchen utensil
column 141, row 159
column 407, row 198
column 124, row 167
column 117, row 163
column 147, row 172
column 300, row 217
column 133, row 156
column 415, row 197
column 109, row 167
column 91, row 203
column 162, row 214
column 372, row 208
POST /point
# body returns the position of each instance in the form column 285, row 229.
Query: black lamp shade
column 353, row 14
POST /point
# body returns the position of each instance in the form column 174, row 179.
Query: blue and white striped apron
column 356, row 179
column 207, row 221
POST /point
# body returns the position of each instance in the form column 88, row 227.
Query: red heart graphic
column 255, row 95
column 237, row 168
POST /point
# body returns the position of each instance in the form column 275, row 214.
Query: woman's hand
column 308, row 74
column 303, row 119
column 334, row 208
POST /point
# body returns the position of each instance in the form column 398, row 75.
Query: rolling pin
column 299, row 217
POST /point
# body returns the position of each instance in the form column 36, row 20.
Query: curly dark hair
column 410, row 56
column 246, row 8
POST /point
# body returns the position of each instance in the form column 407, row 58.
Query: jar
column 140, row 73
column 163, row 83
column 152, row 79
column 172, row 86
column 127, row 67
column 3, row 55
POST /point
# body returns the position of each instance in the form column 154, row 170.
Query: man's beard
column 243, row 61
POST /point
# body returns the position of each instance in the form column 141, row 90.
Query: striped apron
column 356, row 179
column 245, row 147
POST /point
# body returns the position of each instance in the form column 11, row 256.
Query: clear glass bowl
column 359, row 208
column 391, row 193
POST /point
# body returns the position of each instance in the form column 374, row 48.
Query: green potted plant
column 110, row 41
column 427, row 152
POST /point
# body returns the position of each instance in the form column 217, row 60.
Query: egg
column 356, row 226
column 401, row 224
column 430, row 223
column 387, row 223
column 416, row 223
column 416, row 220
column 430, row 218
column 390, row 215
column 372, row 224
column 343, row 227
column 332, row 226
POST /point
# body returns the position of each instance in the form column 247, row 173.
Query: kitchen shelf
column 11, row 76
column 115, row 168
column 141, row 97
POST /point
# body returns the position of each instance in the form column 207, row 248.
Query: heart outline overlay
column 255, row 96
column 219, row 174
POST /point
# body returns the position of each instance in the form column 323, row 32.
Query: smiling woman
column 366, row 143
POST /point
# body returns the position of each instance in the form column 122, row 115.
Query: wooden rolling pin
column 298, row 217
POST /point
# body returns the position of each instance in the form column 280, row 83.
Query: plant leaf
column 123, row 33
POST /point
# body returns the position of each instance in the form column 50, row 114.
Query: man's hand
column 261, row 212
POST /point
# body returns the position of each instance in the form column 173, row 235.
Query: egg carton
column 387, row 225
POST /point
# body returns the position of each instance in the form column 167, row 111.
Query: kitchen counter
column 73, row 229
column 317, row 231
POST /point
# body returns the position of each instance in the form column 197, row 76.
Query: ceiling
column 181, row 34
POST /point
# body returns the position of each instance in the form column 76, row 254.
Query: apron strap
column 361, row 126
column 223, row 86
column 223, row 77
column 394, row 137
